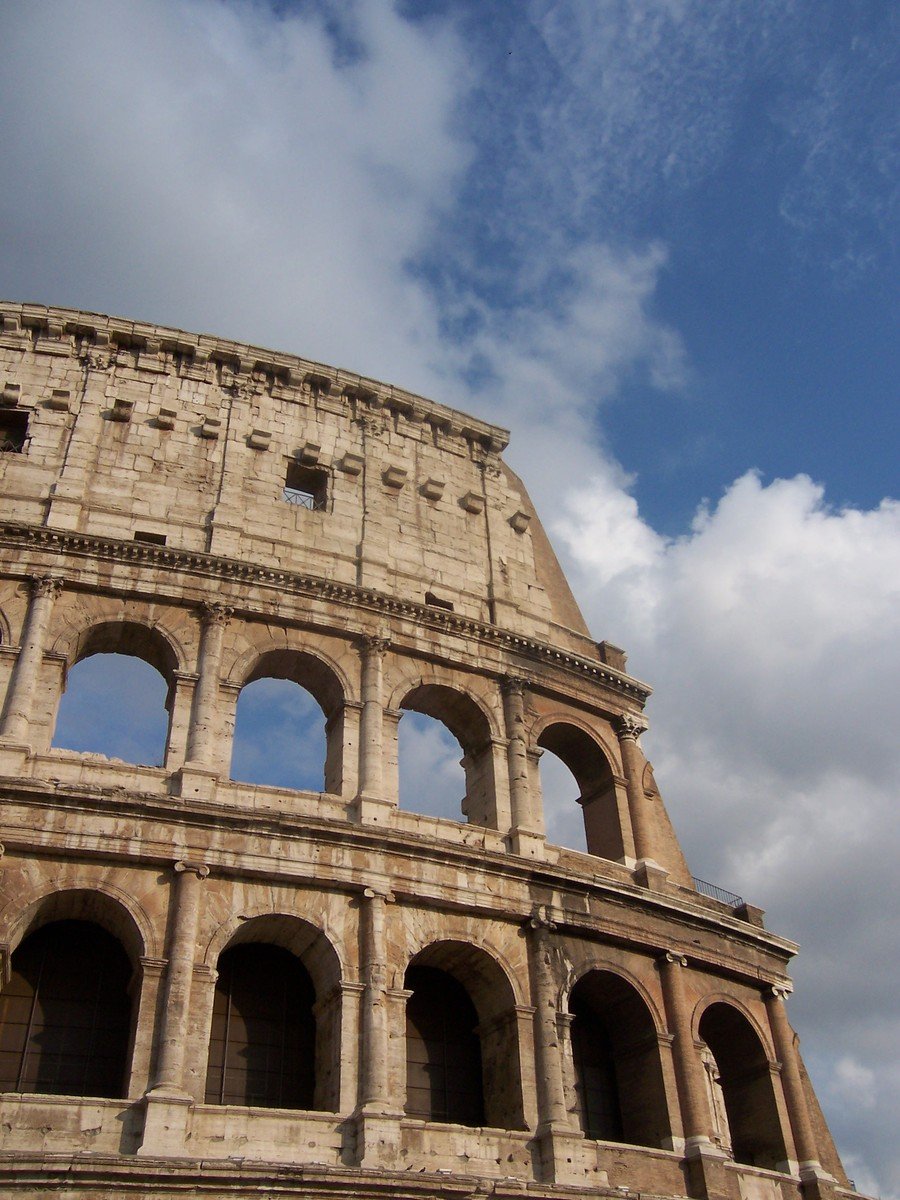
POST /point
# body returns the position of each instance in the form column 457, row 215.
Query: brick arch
column 302, row 937
column 306, row 665
column 576, row 974
column 480, row 968
column 605, row 745
column 439, row 694
column 104, row 904
column 152, row 643
column 706, row 1001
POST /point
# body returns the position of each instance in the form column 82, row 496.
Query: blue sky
column 658, row 240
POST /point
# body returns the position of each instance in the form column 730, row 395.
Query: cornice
column 211, row 566
column 96, row 339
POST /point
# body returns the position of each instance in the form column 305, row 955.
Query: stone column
column 689, row 1077
column 792, row 1082
column 560, row 1158
column 628, row 729
column 177, row 997
column 198, row 775
column 378, row 1120
column 214, row 618
column 374, row 1093
column 372, row 800
column 27, row 668
column 168, row 1102
column 527, row 825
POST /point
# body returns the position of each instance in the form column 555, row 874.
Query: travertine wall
column 135, row 431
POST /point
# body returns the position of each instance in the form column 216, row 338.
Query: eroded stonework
column 229, row 514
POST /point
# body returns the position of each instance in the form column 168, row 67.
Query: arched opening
column 462, row 1049
column 596, row 790
column 563, row 817
column 276, row 1024
column 615, row 1051
column 263, row 1037
column 118, row 694
column 65, row 1015
column 446, row 722
column 744, row 1081
column 289, row 724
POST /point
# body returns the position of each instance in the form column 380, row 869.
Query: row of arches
column 68, row 1012
column 286, row 729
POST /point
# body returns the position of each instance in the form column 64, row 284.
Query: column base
column 378, row 1140
column 815, row 1182
column 166, row 1115
column 13, row 757
column 706, row 1171
column 373, row 810
column 527, row 843
column 651, row 875
column 195, row 782
column 562, row 1157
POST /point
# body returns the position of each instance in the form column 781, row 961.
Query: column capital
column 629, row 726
column 671, row 956
column 45, row 585
column 541, row 921
column 778, row 991
column 215, row 613
column 198, row 869
column 370, row 893
column 372, row 643
column 513, row 685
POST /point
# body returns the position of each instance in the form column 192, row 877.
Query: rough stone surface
column 145, row 513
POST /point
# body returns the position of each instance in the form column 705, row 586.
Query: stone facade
column 147, row 479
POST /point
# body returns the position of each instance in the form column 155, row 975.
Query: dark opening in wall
column 437, row 602
column 153, row 539
column 13, row 431
column 306, row 486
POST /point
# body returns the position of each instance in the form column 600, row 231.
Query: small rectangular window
column 13, row 430
column 306, row 486
column 154, row 539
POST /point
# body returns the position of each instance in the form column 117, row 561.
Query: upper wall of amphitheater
column 132, row 431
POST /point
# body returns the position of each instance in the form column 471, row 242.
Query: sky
column 657, row 240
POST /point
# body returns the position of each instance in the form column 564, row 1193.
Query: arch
column 103, row 904
column 462, row 1031
column 595, row 778
column 323, row 682
column 472, row 725
column 744, row 1083
column 576, row 974
column 116, row 635
column 276, row 1023
column 66, row 1012
column 5, row 630
column 308, row 667
column 618, row 1074
column 293, row 933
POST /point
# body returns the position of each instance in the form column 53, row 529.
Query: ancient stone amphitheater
column 217, row 989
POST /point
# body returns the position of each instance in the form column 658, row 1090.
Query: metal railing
column 304, row 499
column 717, row 893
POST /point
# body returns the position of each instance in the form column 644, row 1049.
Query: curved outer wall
column 144, row 511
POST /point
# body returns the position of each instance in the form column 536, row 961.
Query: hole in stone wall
column 279, row 736
column 436, row 602
column 152, row 539
column 563, row 814
column 13, row 431
column 306, row 486
column 114, row 704
column 432, row 781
